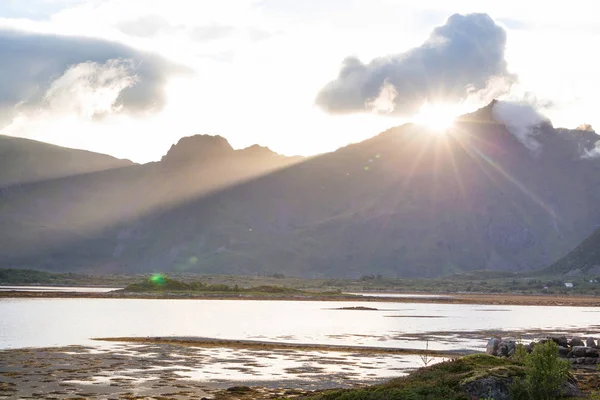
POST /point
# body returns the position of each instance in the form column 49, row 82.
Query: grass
column 441, row 381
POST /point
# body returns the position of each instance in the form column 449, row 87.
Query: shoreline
column 458, row 298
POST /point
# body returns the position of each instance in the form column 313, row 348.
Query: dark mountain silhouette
column 24, row 160
column 583, row 260
column 406, row 202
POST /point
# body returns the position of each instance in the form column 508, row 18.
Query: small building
column 568, row 284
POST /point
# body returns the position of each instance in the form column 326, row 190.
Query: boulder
column 560, row 340
column 489, row 388
column 592, row 352
column 571, row 389
column 564, row 352
column 530, row 347
column 512, row 344
column 579, row 351
column 590, row 342
column 576, row 342
column 502, row 350
column 492, row 346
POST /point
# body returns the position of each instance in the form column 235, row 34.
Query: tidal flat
column 169, row 370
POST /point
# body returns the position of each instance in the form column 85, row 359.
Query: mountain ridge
column 406, row 202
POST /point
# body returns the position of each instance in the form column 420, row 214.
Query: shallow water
column 58, row 322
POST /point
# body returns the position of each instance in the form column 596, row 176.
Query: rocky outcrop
column 572, row 349
column 489, row 388
column 498, row 388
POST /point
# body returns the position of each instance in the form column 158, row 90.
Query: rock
column 492, row 346
column 580, row 360
column 570, row 355
column 589, row 361
column 511, row 352
column 576, row 342
column 512, row 344
column 240, row 389
column 592, row 352
column 590, row 342
column 579, row 351
column 570, row 389
column 530, row 347
column 489, row 388
column 560, row 340
column 564, row 352
column 502, row 350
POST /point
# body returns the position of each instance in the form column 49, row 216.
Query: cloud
column 458, row 59
column 39, row 71
column 90, row 89
column 521, row 119
column 211, row 32
column 147, row 26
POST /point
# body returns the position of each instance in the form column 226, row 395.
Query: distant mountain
column 24, row 160
column 583, row 260
column 407, row 202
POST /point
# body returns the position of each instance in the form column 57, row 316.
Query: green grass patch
column 441, row 381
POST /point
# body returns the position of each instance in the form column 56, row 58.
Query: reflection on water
column 69, row 289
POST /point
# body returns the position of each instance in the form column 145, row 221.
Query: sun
column 436, row 117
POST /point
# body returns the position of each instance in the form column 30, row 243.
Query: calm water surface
column 58, row 322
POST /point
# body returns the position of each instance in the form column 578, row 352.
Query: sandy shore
column 458, row 298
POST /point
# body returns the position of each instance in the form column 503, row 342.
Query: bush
column 520, row 353
column 545, row 372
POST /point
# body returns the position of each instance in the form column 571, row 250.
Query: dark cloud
column 31, row 62
column 458, row 58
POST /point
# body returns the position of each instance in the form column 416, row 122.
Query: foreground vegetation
column 540, row 375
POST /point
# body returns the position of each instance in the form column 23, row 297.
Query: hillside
column 583, row 260
column 407, row 202
column 24, row 160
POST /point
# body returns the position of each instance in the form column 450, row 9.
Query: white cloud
column 90, row 89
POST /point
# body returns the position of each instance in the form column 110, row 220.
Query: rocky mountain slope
column 407, row 202
column 583, row 260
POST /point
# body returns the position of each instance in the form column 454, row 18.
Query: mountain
column 24, row 160
column 583, row 260
column 407, row 202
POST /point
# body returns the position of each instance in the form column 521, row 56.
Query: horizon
column 107, row 76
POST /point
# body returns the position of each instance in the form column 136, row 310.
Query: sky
column 131, row 77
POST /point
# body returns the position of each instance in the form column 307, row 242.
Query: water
column 70, row 289
column 26, row 322
column 58, row 322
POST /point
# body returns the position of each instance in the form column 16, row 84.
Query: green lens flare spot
column 158, row 279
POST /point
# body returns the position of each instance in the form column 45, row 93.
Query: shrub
column 520, row 353
column 545, row 372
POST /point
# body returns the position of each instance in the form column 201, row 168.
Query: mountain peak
column 257, row 150
column 198, row 147
column 484, row 114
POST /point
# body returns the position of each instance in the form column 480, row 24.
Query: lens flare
column 158, row 279
column 437, row 117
